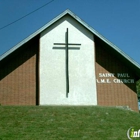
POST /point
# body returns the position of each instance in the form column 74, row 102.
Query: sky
column 117, row 20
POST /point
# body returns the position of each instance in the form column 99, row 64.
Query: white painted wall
column 81, row 65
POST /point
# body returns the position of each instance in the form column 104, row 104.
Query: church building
column 66, row 62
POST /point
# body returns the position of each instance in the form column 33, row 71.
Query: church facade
column 66, row 62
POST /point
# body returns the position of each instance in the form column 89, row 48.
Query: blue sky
column 116, row 20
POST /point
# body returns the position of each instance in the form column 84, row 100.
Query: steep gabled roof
column 115, row 48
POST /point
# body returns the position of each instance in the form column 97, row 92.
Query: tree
column 138, row 88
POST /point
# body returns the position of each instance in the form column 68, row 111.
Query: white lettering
column 106, row 74
column 108, row 81
column 103, row 81
column 136, row 134
column 123, row 81
column 117, row 81
column 122, row 75
column 139, row 132
column 97, row 81
column 100, row 74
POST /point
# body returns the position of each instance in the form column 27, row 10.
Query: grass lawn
column 66, row 123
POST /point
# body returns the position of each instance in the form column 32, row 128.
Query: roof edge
column 104, row 39
column 81, row 22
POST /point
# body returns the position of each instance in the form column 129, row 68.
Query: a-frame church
column 66, row 62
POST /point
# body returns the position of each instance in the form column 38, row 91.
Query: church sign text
column 111, row 78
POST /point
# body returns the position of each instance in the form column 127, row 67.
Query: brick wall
column 19, row 76
column 114, row 94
